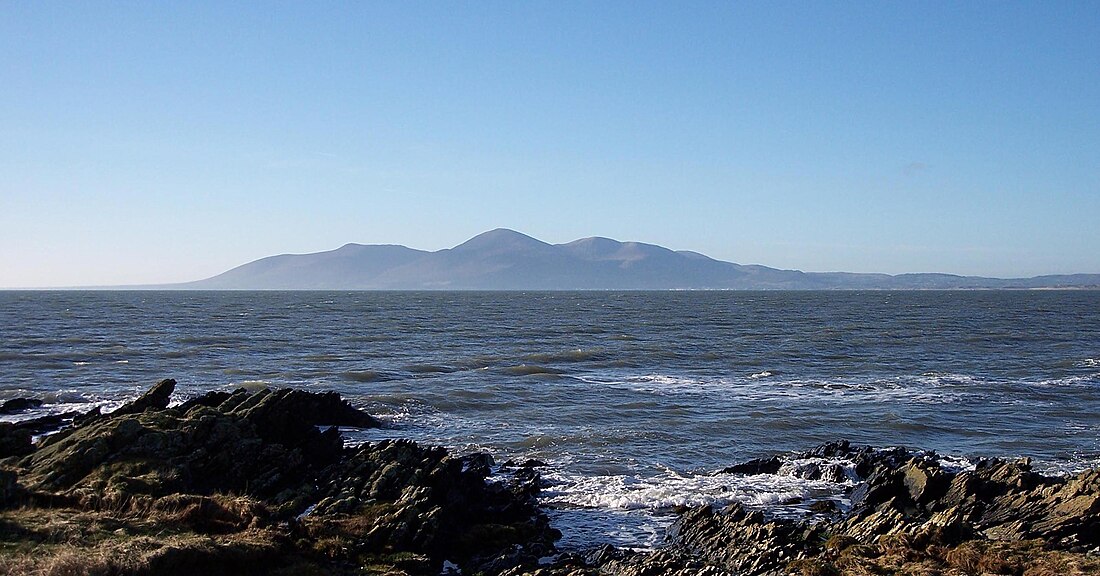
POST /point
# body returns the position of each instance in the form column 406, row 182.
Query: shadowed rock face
column 399, row 496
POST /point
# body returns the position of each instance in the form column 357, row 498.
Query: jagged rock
column 670, row 562
column 156, row 398
column 839, row 448
column 1000, row 500
column 270, row 407
column 265, row 444
column 400, row 497
column 826, row 472
column 743, row 541
column 904, row 496
column 924, row 480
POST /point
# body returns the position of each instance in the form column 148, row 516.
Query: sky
column 149, row 142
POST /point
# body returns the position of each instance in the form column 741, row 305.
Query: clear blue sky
column 157, row 142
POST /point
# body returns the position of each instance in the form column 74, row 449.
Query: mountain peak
column 501, row 239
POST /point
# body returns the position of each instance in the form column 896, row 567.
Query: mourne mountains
column 507, row 260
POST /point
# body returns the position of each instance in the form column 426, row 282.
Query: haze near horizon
column 163, row 143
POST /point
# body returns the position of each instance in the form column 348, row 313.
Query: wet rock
column 757, row 466
column 839, row 448
column 824, row 507
column 823, row 471
column 47, row 423
column 16, row 405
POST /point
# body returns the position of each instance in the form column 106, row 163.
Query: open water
column 634, row 399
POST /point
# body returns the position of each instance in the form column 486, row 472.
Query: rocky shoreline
column 260, row 482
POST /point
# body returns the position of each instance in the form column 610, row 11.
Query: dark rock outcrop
column 299, row 497
column 401, row 497
column 262, row 446
column 16, row 405
column 744, row 541
column 906, row 508
column 156, row 398
column 753, row 467
column 998, row 500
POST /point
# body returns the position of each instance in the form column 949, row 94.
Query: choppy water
column 634, row 398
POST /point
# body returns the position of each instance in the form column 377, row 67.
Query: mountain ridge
column 503, row 259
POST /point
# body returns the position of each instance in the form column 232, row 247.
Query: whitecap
column 670, row 490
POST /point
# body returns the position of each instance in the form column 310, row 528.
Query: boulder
column 756, row 466
column 16, row 405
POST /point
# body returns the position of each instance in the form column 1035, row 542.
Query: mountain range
column 504, row 259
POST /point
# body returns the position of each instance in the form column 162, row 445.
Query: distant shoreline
column 548, row 290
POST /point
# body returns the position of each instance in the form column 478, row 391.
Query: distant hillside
column 507, row 260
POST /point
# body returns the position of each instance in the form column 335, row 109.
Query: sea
column 635, row 401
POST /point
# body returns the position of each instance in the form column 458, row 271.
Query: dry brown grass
column 73, row 559
column 69, row 541
column 901, row 556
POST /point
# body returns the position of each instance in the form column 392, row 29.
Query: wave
column 252, row 384
column 211, row 341
column 670, row 490
column 923, row 389
column 184, row 353
column 1071, row 381
column 578, row 355
column 363, row 376
column 531, row 370
column 430, row 369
